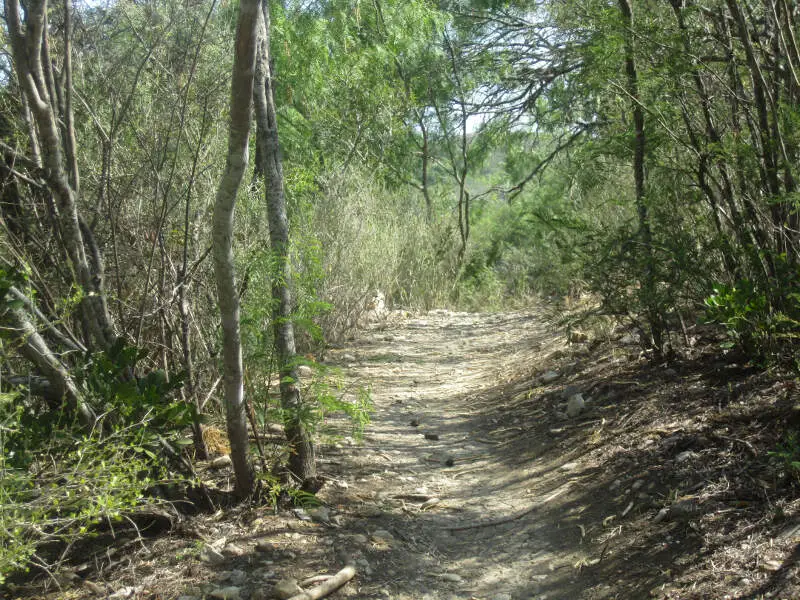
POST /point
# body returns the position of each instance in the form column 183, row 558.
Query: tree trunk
column 235, row 165
column 37, row 81
column 648, row 290
column 302, row 462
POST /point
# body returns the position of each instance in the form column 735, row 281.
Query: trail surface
column 454, row 476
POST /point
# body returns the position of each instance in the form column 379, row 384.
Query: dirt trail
column 450, row 467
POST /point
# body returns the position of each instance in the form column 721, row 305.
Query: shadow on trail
column 612, row 504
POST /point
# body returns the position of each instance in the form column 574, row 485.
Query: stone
column 230, row 592
column 570, row 466
column 304, row 372
column 570, row 391
column 211, row 555
column 286, row 588
column 382, row 535
column 301, row 514
column 549, row 377
column 360, row 538
column 233, row 550
column 221, row 462
column 265, row 546
column 454, row 577
column 429, row 502
column 348, row 358
column 320, row 514
column 237, row 577
column 575, row 405
column 662, row 514
column 685, row 456
column 432, row 436
column 129, row 592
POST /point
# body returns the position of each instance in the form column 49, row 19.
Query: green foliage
column 764, row 324
column 59, row 480
column 788, row 453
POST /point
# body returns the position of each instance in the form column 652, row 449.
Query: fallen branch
column 331, row 585
column 519, row 515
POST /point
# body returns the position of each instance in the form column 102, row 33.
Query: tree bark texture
column 228, row 296
column 302, row 461
column 51, row 111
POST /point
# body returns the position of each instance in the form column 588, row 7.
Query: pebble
column 575, row 405
column 429, row 502
column 265, row 546
column 230, row 592
column 286, row 588
column 685, row 455
column 382, row 535
column 130, row 592
column 221, row 462
column 348, row 358
column 211, row 556
column 360, row 538
column 549, row 377
column 304, row 371
column 570, row 466
column 662, row 514
column 321, row 514
column 233, row 550
column 301, row 514
column 454, row 577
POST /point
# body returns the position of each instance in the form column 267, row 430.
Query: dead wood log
column 330, row 586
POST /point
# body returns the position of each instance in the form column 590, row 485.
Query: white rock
column 130, row 592
column 575, row 405
column 549, row 377
column 304, row 372
column 662, row 514
column 429, row 502
column 685, row 455
column 320, row 514
column 211, row 555
column 454, row 577
column 230, row 592
column 221, row 462
column 382, row 535
column 570, row 466
column 286, row 588
column 301, row 514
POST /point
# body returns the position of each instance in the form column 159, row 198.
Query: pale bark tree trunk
column 34, row 349
column 51, row 111
column 241, row 94
column 302, row 462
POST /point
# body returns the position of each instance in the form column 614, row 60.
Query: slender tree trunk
column 648, row 290
column 235, row 164
column 302, row 462
column 50, row 107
